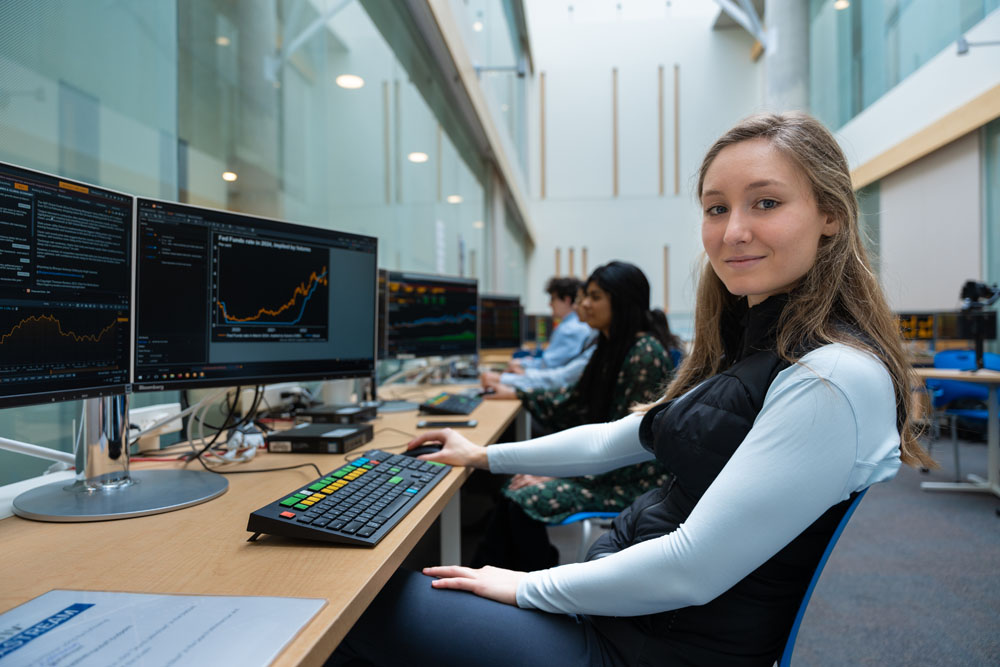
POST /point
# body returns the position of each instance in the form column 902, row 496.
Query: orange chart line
column 302, row 290
column 79, row 338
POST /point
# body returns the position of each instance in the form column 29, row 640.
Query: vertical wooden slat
column 583, row 262
column 677, row 129
column 660, row 128
column 614, row 130
column 666, row 278
column 558, row 262
column 541, row 133
column 386, row 141
column 571, row 273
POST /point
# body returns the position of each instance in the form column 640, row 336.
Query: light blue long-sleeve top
column 550, row 378
column 827, row 428
column 565, row 344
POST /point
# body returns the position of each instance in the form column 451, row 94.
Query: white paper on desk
column 104, row 629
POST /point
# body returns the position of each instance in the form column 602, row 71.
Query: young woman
column 629, row 365
column 793, row 398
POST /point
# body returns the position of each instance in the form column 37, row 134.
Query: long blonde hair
column 840, row 288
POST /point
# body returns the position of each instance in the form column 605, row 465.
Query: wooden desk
column 992, row 380
column 203, row 550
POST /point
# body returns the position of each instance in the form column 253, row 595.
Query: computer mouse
column 487, row 390
column 423, row 449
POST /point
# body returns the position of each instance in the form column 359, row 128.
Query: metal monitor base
column 397, row 406
column 151, row 492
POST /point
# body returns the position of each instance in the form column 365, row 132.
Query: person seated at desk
column 568, row 338
column 566, row 375
column 792, row 400
column 630, row 365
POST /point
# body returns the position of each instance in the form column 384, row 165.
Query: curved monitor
column 65, row 288
column 226, row 298
column 430, row 315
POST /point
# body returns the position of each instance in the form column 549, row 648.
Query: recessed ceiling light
column 350, row 81
column 477, row 26
column 229, row 176
column 454, row 199
column 417, row 156
column 478, row 224
column 222, row 40
column 842, row 4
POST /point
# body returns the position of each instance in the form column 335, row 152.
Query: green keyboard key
column 395, row 480
column 288, row 502
column 317, row 486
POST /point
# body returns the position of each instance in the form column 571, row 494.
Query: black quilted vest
column 694, row 438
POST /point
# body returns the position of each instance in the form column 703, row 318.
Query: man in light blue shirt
column 569, row 338
column 548, row 378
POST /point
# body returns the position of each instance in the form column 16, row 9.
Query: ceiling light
column 229, row 176
column 417, row 156
column 222, row 40
column 477, row 26
column 454, row 199
column 350, row 81
column 478, row 224
column 842, row 4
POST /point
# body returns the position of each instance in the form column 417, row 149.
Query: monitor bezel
column 83, row 393
column 250, row 380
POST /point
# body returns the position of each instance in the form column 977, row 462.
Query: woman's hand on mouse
column 457, row 450
column 488, row 582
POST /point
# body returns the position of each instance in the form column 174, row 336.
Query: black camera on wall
column 975, row 322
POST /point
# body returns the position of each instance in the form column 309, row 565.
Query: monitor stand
column 105, row 489
column 397, row 405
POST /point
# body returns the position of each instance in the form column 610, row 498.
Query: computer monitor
column 430, row 315
column 65, row 288
column 499, row 322
column 537, row 328
column 226, row 298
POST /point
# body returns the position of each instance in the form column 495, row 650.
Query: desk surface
column 981, row 376
column 203, row 550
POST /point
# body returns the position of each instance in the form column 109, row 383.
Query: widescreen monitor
column 65, row 288
column 499, row 322
column 225, row 298
column 431, row 315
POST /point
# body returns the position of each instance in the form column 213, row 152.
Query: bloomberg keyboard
column 450, row 404
column 358, row 503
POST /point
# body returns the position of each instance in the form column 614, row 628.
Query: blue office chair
column 945, row 392
column 590, row 521
column 786, row 655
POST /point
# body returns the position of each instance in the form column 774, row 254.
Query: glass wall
column 869, row 46
column 868, row 220
column 308, row 110
column 491, row 37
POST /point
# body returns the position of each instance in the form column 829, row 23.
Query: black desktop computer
column 500, row 322
column 225, row 298
column 430, row 315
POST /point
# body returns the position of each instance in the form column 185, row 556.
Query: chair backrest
column 963, row 360
column 944, row 392
column 786, row 655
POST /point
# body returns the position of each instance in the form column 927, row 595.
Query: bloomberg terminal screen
column 65, row 288
column 227, row 298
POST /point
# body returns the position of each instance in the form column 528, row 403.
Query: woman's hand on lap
column 489, row 582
